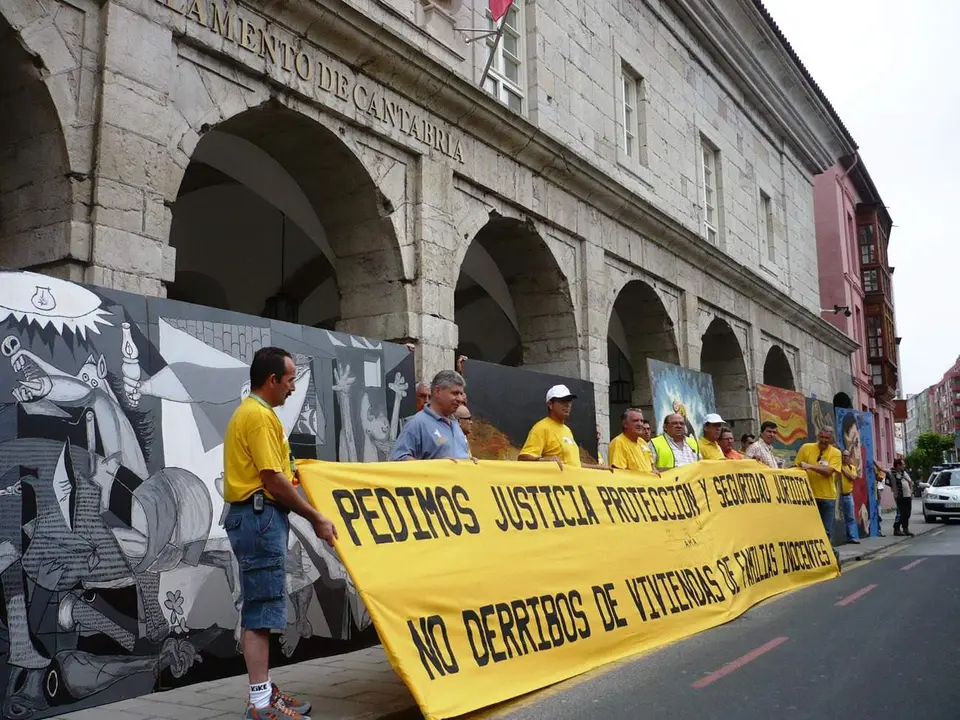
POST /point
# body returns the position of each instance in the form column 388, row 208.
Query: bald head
column 465, row 418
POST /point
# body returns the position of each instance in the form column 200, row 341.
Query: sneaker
column 301, row 706
column 907, row 533
column 276, row 710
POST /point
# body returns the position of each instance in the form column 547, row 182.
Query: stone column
column 594, row 333
column 690, row 340
column 432, row 300
column 131, row 223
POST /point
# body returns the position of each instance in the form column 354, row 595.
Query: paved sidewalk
column 360, row 685
column 869, row 547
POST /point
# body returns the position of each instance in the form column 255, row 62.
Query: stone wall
column 428, row 162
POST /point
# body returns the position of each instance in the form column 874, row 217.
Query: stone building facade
column 640, row 186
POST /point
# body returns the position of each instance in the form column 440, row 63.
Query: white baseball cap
column 713, row 419
column 560, row 392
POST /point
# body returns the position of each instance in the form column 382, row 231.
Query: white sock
column 260, row 694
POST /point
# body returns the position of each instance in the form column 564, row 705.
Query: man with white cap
column 550, row 440
column 709, row 447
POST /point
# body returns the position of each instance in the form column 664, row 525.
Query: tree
column 931, row 448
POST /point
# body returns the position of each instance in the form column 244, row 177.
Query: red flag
column 498, row 8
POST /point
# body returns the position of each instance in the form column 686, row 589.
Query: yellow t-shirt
column 648, row 451
column 254, row 441
column 846, row 485
column 709, row 450
column 548, row 437
column 823, row 487
column 627, row 454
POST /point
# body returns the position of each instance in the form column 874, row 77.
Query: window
column 868, row 248
column 870, row 280
column 504, row 79
column 876, row 374
column 766, row 227
column 632, row 115
column 851, row 239
column 858, row 336
column 874, row 337
column 711, row 187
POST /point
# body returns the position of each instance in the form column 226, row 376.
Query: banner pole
column 493, row 50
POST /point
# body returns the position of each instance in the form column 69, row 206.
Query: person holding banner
column 709, row 445
column 550, row 439
column 258, row 483
column 762, row 449
column 848, row 476
column 822, row 460
column 627, row 450
column 674, row 448
column 726, row 445
column 435, row 432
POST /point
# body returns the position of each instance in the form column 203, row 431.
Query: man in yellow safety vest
column 674, row 448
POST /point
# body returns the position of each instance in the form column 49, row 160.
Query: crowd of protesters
column 260, row 476
column 445, row 422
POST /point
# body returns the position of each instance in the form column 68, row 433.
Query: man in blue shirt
column 434, row 431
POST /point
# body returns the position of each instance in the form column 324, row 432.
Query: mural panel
column 506, row 401
column 679, row 390
column 788, row 409
column 116, row 573
column 855, row 433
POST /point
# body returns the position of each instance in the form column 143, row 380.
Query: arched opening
column 721, row 357
column 35, row 192
column 776, row 369
column 639, row 328
column 842, row 400
column 277, row 217
column 512, row 303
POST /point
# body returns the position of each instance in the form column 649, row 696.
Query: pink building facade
column 856, row 291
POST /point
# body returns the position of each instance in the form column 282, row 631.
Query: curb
column 870, row 552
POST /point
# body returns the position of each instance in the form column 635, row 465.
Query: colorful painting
column 788, row 409
column 679, row 390
column 855, row 434
column 506, row 401
column 819, row 417
column 117, row 576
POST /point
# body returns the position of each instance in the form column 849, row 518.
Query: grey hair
column 625, row 413
column 447, row 379
column 423, row 385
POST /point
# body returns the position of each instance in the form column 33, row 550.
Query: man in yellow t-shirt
column 258, row 485
column 550, row 440
column 849, row 475
column 627, row 450
column 709, row 446
column 822, row 462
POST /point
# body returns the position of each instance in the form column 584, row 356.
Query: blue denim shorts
column 259, row 541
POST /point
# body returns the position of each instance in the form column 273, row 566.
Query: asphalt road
column 882, row 641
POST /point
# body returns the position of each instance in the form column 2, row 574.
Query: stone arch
column 776, row 369
column 639, row 327
column 842, row 400
column 722, row 357
column 513, row 302
column 272, row 177
column 36, row 192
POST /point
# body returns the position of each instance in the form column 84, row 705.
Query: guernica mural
column 117, row 577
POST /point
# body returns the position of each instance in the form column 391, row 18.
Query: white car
column 941, row 499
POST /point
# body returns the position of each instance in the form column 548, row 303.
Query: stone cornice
column 351, row 34
column 766, row 73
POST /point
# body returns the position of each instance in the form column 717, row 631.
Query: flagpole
column 493, row 50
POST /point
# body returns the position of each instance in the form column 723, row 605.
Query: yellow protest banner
column 488, row 581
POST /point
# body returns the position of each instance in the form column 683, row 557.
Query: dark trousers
column 904, row 508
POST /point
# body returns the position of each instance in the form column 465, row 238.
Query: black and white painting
column 117, row 577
